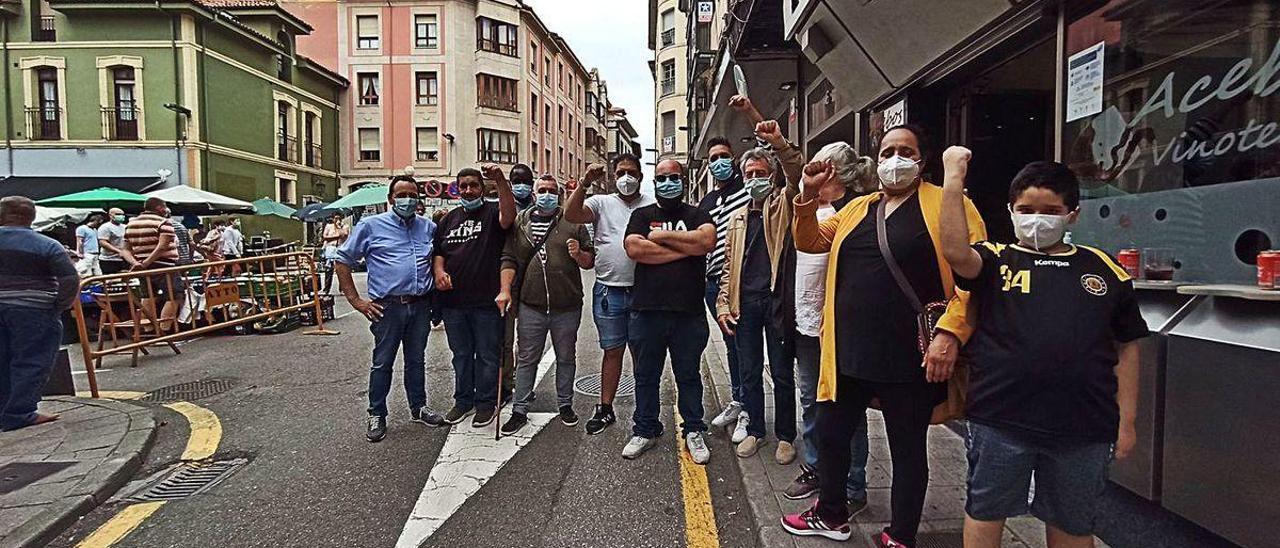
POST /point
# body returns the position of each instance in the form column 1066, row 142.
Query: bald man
column 37, row 282
column 114, row 257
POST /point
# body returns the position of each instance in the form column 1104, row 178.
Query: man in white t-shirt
column 615, row 271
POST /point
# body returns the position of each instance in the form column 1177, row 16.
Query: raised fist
column 740, row 103
column 769, row 131
column 956, row 158
column 492, row 173
column 816, row 175
column 595, row 172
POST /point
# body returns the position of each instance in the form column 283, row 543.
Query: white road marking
column 469, row 459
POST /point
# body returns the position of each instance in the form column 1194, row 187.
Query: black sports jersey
column 1044, row 352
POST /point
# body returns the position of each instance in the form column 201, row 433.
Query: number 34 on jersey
column 1015, row 280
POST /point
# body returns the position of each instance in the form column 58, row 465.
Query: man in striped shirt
column 723, row 204
column 37, row 282
column 152, row 242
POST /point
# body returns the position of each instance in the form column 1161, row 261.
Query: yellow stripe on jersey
column 1106, row 259
column 993, row 247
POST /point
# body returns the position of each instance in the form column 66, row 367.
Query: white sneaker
column 697, row 444
column 740, row 431
column 726, row 417
column 636, row 446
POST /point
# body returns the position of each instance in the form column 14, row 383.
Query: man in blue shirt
column 396, row 247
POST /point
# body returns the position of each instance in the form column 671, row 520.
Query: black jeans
column 907, row 408
column 653, row 335
column 756, row 333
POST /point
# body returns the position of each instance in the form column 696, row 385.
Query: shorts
column 611, row 309
column 160, row 284
column 1069, row 478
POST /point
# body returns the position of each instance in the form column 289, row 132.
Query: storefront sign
column 706, row 12
column 1084, row 83
column 896, row 114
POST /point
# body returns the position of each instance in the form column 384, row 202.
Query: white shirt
column 114, row 234
column 231, row 240
column 613, row 266
column 811, row 284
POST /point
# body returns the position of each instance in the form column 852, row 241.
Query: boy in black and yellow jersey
column 1053, row 380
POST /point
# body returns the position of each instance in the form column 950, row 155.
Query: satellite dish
column 740, row 80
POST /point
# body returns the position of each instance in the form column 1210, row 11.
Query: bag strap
column 542, row 242
column 883, row 238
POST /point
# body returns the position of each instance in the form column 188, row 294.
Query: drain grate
column 189, row 391
column 589, row 385
column 190, row 479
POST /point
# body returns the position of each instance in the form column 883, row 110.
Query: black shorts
column 113, row 267
column 162, row 283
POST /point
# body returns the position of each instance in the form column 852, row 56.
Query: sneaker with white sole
column 697, row 444
column 726, row 417
column 808, row 524
column 804, row 486
column 636, row 446
column 740, row 431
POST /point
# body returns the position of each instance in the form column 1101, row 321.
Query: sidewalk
column 52, row 474
column 764, row 481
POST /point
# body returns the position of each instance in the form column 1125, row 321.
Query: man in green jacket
column 547, row 252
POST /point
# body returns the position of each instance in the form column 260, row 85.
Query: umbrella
column 366, row 196
column 49, row 217
column 317, row 212
column 98, row 198
column 267, row 206
column 184, row 200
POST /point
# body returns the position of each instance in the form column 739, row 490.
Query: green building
column 142, row 95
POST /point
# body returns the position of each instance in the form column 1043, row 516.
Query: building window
column 591, row 102
column 533, row 152
column 45, row 118
column 370, row 150
column 426, row 32
column 369, row 89
column 44, row 31
column 546, row 118
column 286, row 190
column 560, row 68
column 560, row 157
column 428, row 88
column 549, row 166
column 668, row 77
column 497, row 92
column 496, row 36
column 533, row 108
column 669, row 131
column 367, row 32
column 428, row 144
column 499, row 147
column 286, row 142
column 560, row 117
column 284, row 61
column 570, row 127
column 311, row 147
column 121, row 118
column 546, row 72
column 668, row 28
column 533, row 57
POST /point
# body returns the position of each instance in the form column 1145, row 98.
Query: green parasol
column 267, row 206
column 366, row 196
column 104, row 197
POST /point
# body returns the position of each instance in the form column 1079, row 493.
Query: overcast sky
column 611, row 35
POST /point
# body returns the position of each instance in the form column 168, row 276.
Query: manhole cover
column 589, row 385
column 189, row 391
column 190, row 479
column 16, row 475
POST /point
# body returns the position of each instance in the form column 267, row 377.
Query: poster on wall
column 1084, row 83
column 706, row 12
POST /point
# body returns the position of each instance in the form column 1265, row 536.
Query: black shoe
column 508, row 396
column 515, row 423
column 600, row 419
column 426, row 416
column 377, row 428
column 568, row 417
column 856, row 506
column 455, row 415
column 483, row 418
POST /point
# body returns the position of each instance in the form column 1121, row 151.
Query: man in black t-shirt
column 468, row 255
column 669, row 242
column 1053, row 382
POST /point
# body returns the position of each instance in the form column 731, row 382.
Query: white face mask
column 628, row 185
column 897, row 173
column 1039, row 232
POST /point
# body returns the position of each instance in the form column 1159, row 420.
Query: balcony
column 44, row 123
column 668, row 86
column 668, row 37
column 45, row 32
column 121, row 123
column 287, row 148
column 314, row 157
column 499, row 102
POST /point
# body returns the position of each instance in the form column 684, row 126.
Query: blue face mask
column 405, row 208
column 522, row 190
column 548, row 202
column 722, row 169
column 670, row 188
column 758, row 187
column 472, row 205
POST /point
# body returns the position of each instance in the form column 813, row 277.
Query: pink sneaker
column 887, row 541
column 808, row 524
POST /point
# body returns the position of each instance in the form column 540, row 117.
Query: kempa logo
column 1051, row 262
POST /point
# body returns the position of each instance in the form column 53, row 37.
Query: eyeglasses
column 674, row 177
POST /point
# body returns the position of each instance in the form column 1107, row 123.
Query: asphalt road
column 296, row 409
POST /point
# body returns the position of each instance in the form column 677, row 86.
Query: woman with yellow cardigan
column 872, row 343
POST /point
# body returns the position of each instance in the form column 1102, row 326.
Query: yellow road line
column 120, row 525
column 699, row 515
column 206, row 430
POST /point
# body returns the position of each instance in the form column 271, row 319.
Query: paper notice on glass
column 1084, row 83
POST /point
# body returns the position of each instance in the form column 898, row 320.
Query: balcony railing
column 668, row 37
column 44, row 123
column 121, row 123
column 314, row 155
column 46, row 31
column 669, row 86
column 499, row 102
column 288, row 148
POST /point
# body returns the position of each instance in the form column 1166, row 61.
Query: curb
column 105, row 479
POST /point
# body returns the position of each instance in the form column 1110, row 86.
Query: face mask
column 759, row 187
column 406, row 208
column 119, row 219
column 670, row 188
column 522, row 190
column 1039, row 232
column 472, row 205
column 722, row 169
column 897, row 173
column 548, row 202
column 628, row 185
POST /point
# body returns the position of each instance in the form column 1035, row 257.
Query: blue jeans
column 653, row 334
column 730, row 345
column 29, row 340
column 475, row 338
column 611, row 310
column 755, row 333
column 808, row 363
column 401, row 325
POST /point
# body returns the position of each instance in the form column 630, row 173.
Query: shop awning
column 39, row 188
